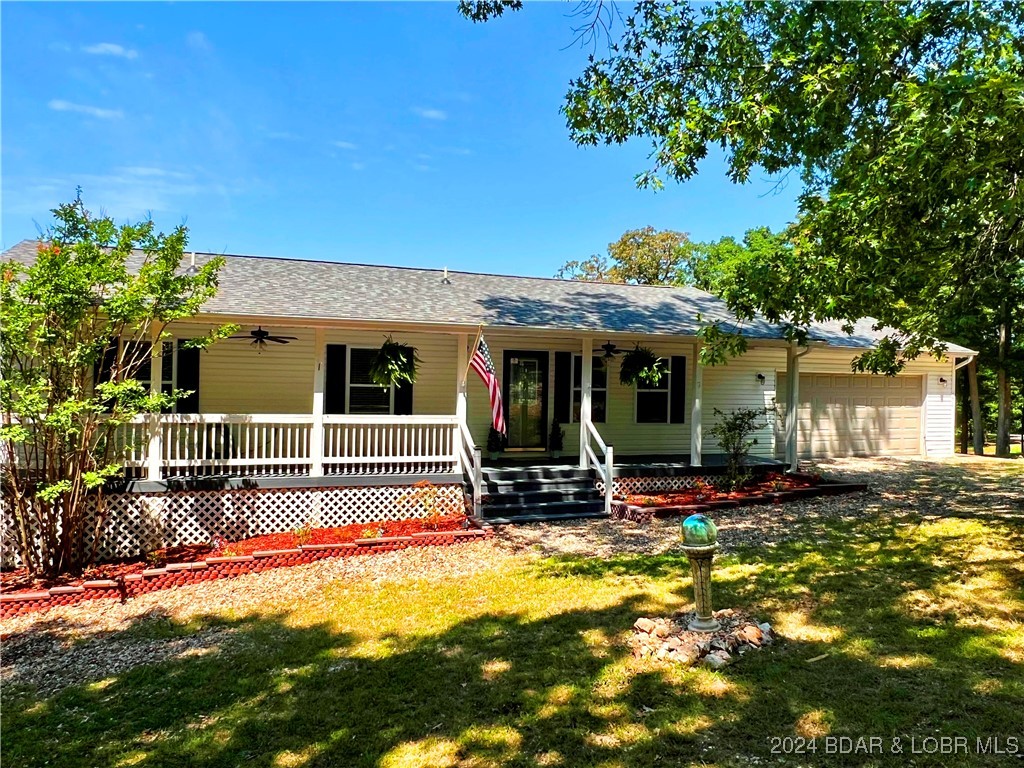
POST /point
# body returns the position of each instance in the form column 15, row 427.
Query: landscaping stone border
column 638, row 514
column 211, row 568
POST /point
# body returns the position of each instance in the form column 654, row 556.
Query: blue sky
column 368, row 132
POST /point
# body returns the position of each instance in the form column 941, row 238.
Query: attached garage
column 856, row 415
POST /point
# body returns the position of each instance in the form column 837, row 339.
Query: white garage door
column 856, row 415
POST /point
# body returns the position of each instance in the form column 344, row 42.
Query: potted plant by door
column 555, row 439
column 495, row 442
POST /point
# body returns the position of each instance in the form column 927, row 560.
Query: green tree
column 902, row 121
column 641, row 256
column 96, row 297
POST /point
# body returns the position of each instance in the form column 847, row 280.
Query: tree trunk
column 979, row 426
column 1003, row 387
column 965, row 411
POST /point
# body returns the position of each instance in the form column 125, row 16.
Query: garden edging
column 211, row 568
column 623, row 511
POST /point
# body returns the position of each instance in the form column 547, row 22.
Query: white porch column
column 587, row 366
column 461, row 402
column 792, row 404
column 696, row 415
column 316, row 435
column 155, row 449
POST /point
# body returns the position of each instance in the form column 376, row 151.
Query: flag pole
column 472, row 351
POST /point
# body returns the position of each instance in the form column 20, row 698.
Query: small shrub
column 733, row 432
column 427, row 501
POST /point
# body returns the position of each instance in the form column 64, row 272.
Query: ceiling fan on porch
column 610, row 350
column 259, row 338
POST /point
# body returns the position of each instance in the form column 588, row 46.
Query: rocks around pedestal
column 668, row 639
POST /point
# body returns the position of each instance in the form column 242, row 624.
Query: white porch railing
column 390, row 444
column 244, row 445
column 603, row 465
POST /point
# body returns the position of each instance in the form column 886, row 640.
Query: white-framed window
column 652, row 400
column 598, row 389
column 142, row 351
column 363, row 395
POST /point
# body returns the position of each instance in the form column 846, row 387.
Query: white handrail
column 473, row 465
column 605, row 469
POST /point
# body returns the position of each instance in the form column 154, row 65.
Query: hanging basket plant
column 641, row 365
column 394, row 364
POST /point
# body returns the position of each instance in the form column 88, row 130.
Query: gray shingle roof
column 296, row 288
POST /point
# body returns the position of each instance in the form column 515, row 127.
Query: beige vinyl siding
column 940, row 412
column 233, row 378
column 734, row 385
column 621, row 430
column 434, row 390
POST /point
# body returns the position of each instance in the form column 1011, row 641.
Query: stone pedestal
column 700, row 567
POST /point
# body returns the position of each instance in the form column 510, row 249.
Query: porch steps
column 540, row 493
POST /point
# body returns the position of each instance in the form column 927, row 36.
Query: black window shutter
column 563, row 386
column 188, row 378
column 101, row 368
column 335, row 380
column 403, row 399
column 677, row 390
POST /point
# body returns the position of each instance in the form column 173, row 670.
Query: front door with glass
column 526, row 376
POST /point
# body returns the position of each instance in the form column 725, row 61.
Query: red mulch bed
column 772, row 482
column 19, row 580
column 344, row 534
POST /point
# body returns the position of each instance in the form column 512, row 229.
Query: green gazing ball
column 699, row 531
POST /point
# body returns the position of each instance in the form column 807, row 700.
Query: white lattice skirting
column 138, row 523
column 629, row 485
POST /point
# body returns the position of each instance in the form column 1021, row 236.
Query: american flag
column 481, row 363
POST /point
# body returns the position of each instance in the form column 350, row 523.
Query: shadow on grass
column 909, row 653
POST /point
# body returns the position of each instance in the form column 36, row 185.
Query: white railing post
column 609, row 479
column 316, row 433
column 154, row 448
column 586, row 366
column 478, row 481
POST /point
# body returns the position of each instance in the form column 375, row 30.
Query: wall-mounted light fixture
column 761, row 379
column 943, row 380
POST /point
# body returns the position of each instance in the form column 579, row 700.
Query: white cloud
column 198, row 41
column 126, row 192
column 344, row 145
column 358, row 166
column 110, row 49
column 429, row 113
column 59, row 105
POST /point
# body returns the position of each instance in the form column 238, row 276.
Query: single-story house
column 296, row 424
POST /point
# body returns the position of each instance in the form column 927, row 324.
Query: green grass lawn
column 527, row 665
